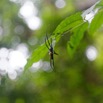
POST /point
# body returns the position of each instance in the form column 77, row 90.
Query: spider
column 51, row 51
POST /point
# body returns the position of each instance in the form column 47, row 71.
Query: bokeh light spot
column 60, row 3
column 29, row 12
column 17, row 59
column 28, row 9
column 34, row 23
column 91, row 53
column 12, row 75
column 12, row 62
column 19, row 29
column 35, row 67
column 4, row 52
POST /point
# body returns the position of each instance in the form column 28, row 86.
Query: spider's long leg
column 47, row 39
column 55, row 53
column 52, row 60
column 52, row 63
column 46, row 43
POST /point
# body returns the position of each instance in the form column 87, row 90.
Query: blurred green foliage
column 77, row 79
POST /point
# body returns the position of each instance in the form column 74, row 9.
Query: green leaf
column 67, row 24
column 38, row 54
column 100, row 4
column 97, row 22
column 70, row 22
column 75, row 39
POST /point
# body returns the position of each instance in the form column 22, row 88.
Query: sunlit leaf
column 97, row 22
column 75, row 39
column 67, row 24
column 38, row 54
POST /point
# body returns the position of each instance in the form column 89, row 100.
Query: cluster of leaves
column 77, row 26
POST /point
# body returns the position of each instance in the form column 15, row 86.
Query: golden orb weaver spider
column 51, row 50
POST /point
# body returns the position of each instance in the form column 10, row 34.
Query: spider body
column 51, row 51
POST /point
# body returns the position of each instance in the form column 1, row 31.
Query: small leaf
column 38, row 54
column 97, row 22
column 75, row 39
column 67, row 24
